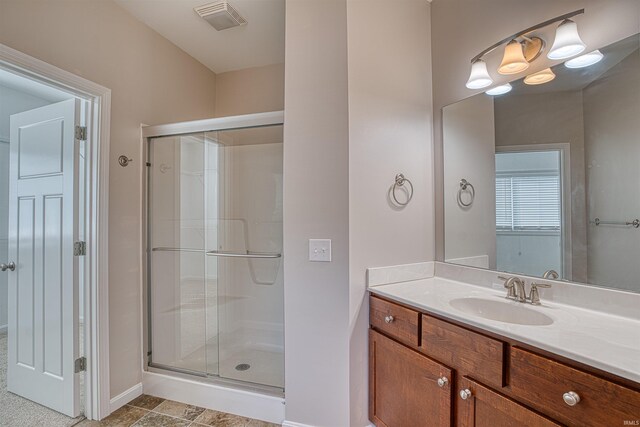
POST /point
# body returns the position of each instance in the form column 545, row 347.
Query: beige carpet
column 16, row 411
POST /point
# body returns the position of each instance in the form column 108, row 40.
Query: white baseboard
column 212, row 396
column 294, row 424
column 125, row 397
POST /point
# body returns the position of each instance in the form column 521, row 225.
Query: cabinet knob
column 443, row 381
column 465, row 394
column 389, row 319
column 571, row 398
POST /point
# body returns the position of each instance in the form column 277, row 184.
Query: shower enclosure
column 215, row 295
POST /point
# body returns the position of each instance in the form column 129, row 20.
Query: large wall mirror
column 546, row 178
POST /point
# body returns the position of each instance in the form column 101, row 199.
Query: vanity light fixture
column 585, row 60
column 540, row 77
column 513, row 60
column 567, row 42
column 523, row 48
column 499, row 90
column 479, row 77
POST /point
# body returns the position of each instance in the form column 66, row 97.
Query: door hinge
column 79, row 248
column 80, row 365
column 81, row 133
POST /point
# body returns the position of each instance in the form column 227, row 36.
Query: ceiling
column 31, row 87
column 259, row 43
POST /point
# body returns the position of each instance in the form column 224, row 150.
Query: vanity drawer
column 542, row 382
column 473, row 354
column 395, row 320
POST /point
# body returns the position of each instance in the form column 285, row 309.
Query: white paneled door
column 43, row 287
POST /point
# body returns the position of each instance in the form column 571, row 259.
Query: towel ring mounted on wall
column 399, row 182
column 464, row 187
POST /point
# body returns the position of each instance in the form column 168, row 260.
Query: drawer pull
column 443, row 381
column 571, row 398
column 389, row 319
column 465, row 394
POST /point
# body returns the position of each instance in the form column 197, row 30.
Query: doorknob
column 11, row 266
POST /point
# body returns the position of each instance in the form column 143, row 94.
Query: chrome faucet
column 550, row 274
column 515, row 288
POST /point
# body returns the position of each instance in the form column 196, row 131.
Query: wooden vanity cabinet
column 398, row 322
column 484, row 407
column 466, row 351
column 404, row 388
column 508, row 385
column 542, row 383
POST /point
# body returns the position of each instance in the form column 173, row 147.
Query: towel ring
column 399, row 182
column 124, row 161
column 464, row 185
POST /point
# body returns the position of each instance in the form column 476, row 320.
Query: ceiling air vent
column 220, row 15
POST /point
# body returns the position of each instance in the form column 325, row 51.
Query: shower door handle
column 243, row 254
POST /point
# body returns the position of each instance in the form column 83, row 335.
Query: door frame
column 565, row 195
column 95, row 306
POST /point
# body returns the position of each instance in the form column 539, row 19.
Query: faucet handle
column 541, row 285
column 534, row 295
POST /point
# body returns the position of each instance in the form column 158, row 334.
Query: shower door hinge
column 79, row 248
column 81, row 133
column 80, row 365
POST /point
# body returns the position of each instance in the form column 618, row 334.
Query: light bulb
column 479, row 76
column 499, row 90
column 513, row 61
column 540, row 77
column 585, row 60
column 567, row 42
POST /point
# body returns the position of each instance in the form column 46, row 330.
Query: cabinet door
column 483, row 407
column 403, row 386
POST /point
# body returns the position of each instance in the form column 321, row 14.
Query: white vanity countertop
column 605, row 341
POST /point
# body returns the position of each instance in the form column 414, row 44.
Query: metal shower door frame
column 247, row 121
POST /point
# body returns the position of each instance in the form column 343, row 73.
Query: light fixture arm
column 527, row 31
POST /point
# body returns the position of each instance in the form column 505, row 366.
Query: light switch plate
column 320, row 250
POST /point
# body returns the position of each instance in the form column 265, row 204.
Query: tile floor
column 153, row 411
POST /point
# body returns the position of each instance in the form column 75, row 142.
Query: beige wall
column 611, row 112
column 463, row 28
column 252, row 90
column 389, row 133
column 316, row 205
column 469, row 153
column 152, row 81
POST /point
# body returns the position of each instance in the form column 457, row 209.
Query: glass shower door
column 249, row 258
column 181, row 329
column 216, row 291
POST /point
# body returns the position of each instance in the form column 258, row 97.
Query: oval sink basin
column 501, row 311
